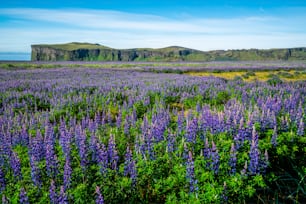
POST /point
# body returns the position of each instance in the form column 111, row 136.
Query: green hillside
column 94, row 52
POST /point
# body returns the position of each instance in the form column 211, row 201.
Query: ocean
column 15, row 56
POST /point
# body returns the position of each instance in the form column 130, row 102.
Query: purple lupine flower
column 129, row 166
column 254, row 154
column 134, row 117
column 62, row 198
column 185, row 153
column 119, row 119
column 127, row 125
column 245, row 168
column 274, row 137
column 93, row 147
column 67, row 174
column 207, row 153
column 102, row 158
column 180, row 121
column 4, row 199
column 92, row 127
column 65, row 142
column 23, row 198
column 191, row 130
column 264, row 162
column 128, row 159
column 99, row 197
column 51, row 161
column 97, row 119
column 15, row 165
column 224, row 197
column 81, row 144
column 52, row 193
column 171, row 143
column 24, row 136
column 35, row 175
column 2, row 180
column 37, row 146
column 148, row 142
column 113, row 157
column 190, row 175
column 300, row 131
column 215, row 158
column 109, row 117
column 233, row 159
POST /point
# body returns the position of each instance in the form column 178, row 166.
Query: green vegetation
column 95, row 52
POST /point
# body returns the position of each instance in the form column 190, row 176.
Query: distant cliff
column 96, row 52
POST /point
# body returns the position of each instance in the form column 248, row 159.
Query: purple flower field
column 89, row 135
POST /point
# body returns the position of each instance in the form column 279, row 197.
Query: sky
column 203, row 25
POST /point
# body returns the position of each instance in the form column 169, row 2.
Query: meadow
column 216, row 132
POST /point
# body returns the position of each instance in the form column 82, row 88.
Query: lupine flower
column 81, row 144
column 15, row 165
column 149, row 144
column 233, row 159
column 37, row 146
column 4, row 199
column 93, row 147
column 65, row 142
column 190, row 175
column 92, row 127
column 102, row 158
column 23, row 198
column 109, row 117
column 52, row 193
column 215, row 158
column 274, row 137
column 264, row 162
column 24, row 136
column 99, row 197
column 67, row 174
column 62, row 198
column 128, row 159
column 126, row 125
column 51, row 161
column 113, row 157
column 254, row 154
column 224, row 197
column 207, row 153
column 129, row 166
column 191, row 131
column 245, row 168
column 119, row 119
column 171, row 143
column 35, row 171
column 180, row 121
column 301, row 126
column 2, row 180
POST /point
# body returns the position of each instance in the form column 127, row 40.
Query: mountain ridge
column 77, row 51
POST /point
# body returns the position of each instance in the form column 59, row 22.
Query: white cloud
column 127, row 30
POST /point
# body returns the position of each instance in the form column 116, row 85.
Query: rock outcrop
column 96, row 52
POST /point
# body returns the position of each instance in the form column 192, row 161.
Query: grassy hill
column 94, row 52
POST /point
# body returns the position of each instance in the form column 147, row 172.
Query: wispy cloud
column 126, row 30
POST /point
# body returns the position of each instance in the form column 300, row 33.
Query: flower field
column 90, row 135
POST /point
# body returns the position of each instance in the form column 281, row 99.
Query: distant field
column 288, row 75
column 247, row 71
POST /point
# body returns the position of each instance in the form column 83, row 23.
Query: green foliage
column 274, row 80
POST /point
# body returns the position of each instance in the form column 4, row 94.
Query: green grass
column 74, row 46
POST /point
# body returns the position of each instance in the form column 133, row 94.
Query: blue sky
column 203, row 25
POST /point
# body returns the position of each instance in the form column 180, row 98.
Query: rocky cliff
column 96, row 52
